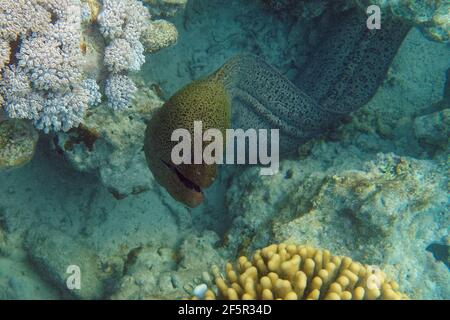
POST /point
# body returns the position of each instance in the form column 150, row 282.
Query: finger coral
column 120, row 55
column 43, row 82
column 53, row 53
column 123, row 19
column 119, row 90
column 122, row 22
column 291, row 272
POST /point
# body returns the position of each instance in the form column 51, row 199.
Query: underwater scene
column 224, row 149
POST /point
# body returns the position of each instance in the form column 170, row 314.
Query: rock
column 159, row 35
column 165, row 8
column 434, row 128
column 109, row 144
column 175, row 274
column 18, row 141
column 52, row 253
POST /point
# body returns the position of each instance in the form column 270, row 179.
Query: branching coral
column 44, row 82
column 22, row 16
column 47, row 75
column 123, row 19
column 291, row 272
column 121, row 55
column 122, row 22
column 51, row 64
column 94, row 95
column 119, row 90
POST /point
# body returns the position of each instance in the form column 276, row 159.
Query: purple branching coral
column 121, row 55
column 125, row 19
column 44, row 82
column 119, row 89
column 46, row 75
column 122, row 22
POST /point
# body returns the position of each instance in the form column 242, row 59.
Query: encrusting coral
column 291, row 272
column 159, row 34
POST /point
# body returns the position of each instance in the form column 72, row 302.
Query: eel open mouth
column 185, row 181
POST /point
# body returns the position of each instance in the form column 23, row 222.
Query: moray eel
column 341, row 76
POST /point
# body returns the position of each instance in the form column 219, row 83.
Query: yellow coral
column 291, row 272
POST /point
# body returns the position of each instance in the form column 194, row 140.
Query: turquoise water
column 373, row 186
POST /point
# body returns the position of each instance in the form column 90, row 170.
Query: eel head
column 204, row 100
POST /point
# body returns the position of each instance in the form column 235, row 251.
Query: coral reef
column 119, row 90
column 122, row 23
column 371, row 211
column 120, row 55
column 291, row 272
column 148, row 246
column 110, row 144
column 115, row 153
column 346, row 191
column 182, row 268
column 366, row 190
column 17, row 143
column 50, row 62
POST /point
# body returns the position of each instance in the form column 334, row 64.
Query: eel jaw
column 192, row 194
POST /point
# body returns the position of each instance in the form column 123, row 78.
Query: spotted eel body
column 342, row 75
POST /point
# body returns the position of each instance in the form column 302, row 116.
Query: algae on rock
column 18, row 141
